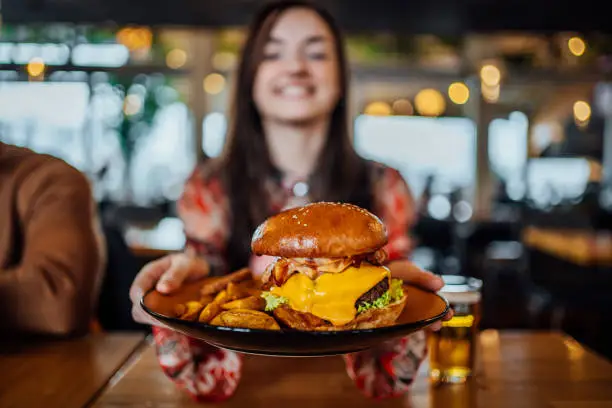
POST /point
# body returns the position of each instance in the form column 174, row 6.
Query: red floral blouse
column 208, row 373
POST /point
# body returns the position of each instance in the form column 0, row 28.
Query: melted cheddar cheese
column 331, row 296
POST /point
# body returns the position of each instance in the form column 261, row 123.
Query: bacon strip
column 278, row 272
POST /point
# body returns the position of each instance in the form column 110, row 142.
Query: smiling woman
column 297, row 81
column 288, row 145
column 289, row 121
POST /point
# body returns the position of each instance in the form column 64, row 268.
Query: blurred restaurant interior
column 499, row 117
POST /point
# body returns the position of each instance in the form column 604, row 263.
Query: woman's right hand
column 166, row 275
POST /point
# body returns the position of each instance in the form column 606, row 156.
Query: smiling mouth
column 295, row 91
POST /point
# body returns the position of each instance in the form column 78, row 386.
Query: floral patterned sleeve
column 396, row 208
column 206, row 373
column 389, row 369
column 204, row 210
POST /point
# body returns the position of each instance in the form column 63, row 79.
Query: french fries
column 189, row 310
column 245, row 318
column 233, row 301
column 250, row 303
column 221, row 297
column 222, row 282
column 234, row 291
column 250, row 288
column 206, row 299
column 209, row 312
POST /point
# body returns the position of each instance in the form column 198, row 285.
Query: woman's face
column 297, row 81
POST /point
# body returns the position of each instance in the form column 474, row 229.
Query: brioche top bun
column 320, row 230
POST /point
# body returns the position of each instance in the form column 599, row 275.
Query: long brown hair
column 245, row 164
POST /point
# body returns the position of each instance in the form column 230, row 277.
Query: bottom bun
column 369, row 319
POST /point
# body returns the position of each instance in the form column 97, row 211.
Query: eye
column 271, row 56
column 317, row 55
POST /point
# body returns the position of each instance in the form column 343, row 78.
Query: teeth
column 295, row 90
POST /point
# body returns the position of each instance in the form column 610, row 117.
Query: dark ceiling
column 443, row 17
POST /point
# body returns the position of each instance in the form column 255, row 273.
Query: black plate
column 422, row 309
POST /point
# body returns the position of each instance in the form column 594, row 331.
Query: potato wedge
column 254, row 292
column 209, row 312
column 221, row 297
column 251, row 303
column 235, row 292
column 250, row 287
column 179, row 310
column 245, row 318
column 248, row 284
column 206, row 299
column 218, row 283
column 192, row 310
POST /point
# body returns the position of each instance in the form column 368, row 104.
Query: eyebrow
column 310, row 40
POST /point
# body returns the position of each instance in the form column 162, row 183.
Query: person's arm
column 53, row 288
column 204, row 372
column 395, row 206
column 389, row 369
column 204, row 210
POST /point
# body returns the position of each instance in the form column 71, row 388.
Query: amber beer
column 452, row 349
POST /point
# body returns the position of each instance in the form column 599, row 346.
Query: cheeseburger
column 328, row 272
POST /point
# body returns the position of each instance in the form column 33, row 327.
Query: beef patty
column 371, row 295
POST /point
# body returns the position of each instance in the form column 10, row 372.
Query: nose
column 296, row 65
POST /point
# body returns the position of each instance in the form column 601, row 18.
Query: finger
column 198, row 268
column 147, row 277
column 147, row 319
column 435, row 326
column 174, row 276
column 438, row 325
column 140, row 316
column 411, row 273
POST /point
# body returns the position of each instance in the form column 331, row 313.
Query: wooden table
column 514, row 369
column 62, row 374
column 580, row 247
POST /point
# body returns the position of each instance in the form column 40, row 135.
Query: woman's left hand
column 409, row 272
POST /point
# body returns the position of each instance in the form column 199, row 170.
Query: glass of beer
column 452, row 349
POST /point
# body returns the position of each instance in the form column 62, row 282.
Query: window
column 419, row 147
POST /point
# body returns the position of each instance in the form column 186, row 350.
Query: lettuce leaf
column 394, row 293
column 396, row 289
column 273, row 301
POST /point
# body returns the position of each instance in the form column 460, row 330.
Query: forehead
column 298, row 24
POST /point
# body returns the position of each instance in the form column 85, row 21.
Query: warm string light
column 576, row 46
column 490, row 75
column 490, row 93
column 582, row 111
column 137, row 39
column 214, row 83
column 378, row 109
column 36, row 68
column 458, row 93
column 490, row 82
column 429, row 102
column 176, row 58
column 224, row 60
column 402, row 107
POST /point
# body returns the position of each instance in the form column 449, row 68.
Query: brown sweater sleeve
column 53, row 289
